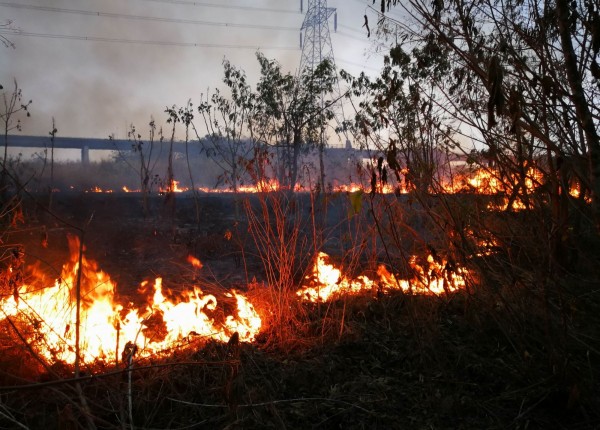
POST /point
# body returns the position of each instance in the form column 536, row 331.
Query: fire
column 248, row 323
column 177, row 189
column 107, row 326
column 110, row 330
column 97, row 189
column 432, row 277
column 505, row 204
column 381, row 188
column 173, row 187
column 194, row 261
column 490, row 181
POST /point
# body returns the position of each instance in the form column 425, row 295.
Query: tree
column 227, row 123
column 145, row 151
column 398, row 115
column 284, row 112
column 12, row 107
column 289, row 112
column 521, row 80
column 6, row 25
column 524, row 75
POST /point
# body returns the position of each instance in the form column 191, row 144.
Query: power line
column 222, row 6
column 350, row 36
column 144, row 42
column 347, row 27
column 361, row 66
column 144, row 18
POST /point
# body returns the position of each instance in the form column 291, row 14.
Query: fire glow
column 431, row 277
column 46, row 316
column 107, row 326
column 482, row 181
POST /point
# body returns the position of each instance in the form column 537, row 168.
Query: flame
column 173, row 186
column 486, row 181
column 432, row 277
column 381, row 188
column 106, row 325
column 194, row 261
column 96, row 189
column 177, row 189
column 111, row 330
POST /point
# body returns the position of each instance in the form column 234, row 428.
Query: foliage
column 520, row 78
column 12, row 107
column 283, row 112
column 6, row 25
column 225, row 120
column 290, row 113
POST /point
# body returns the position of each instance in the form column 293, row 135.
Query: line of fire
column 44, row 313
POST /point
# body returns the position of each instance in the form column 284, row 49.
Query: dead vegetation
column 403, row 362
column 513, row 350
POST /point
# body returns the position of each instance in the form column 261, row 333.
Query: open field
column 491, row 355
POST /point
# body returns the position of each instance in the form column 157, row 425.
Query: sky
column 78, row 63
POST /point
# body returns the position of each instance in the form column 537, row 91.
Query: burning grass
column 46, row 317
column 50, row 315
column 403, row 362
column 348, row 348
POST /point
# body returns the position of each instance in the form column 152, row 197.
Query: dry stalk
column 84, row 404
column 129, row 352
column 5, row 413
column 276, row 229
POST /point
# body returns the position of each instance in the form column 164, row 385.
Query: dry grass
column 519, row 349
column 403, row 362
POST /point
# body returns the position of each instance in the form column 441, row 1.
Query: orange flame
column 97, row 189
column 107, row 325
column 194, row 261
column 432, row 277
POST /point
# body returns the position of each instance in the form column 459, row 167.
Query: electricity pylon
column 315, row 41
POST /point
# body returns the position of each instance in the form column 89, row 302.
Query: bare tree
column 12, row 107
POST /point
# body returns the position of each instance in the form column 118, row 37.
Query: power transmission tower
column 315, row 41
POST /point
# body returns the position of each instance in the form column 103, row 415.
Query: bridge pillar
column 85, row 155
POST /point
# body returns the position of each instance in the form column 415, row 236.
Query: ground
column 371, row 362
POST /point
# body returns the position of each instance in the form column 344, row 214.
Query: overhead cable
column 224, row 6
column 145, row 42
column 144, row 18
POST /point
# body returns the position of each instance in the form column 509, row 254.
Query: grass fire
column 169, row 301
column 427, row 257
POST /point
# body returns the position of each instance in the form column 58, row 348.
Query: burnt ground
column 469, row 361
column 132, row 247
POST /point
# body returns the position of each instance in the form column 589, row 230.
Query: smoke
column 95, row 89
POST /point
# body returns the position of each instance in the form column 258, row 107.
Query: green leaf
column 356, row 202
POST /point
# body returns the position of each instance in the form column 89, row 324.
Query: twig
column 108, row 374
column 129, row 391
column 274, row 402
column 12, row 419
column 82, row 399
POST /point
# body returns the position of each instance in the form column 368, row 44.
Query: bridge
column 85, row 144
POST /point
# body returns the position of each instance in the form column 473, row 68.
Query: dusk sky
column 139, row 55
